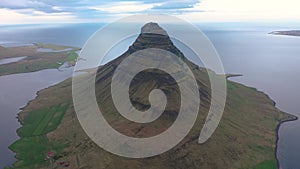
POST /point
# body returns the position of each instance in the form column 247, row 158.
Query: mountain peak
column 153, row 28
column 154, row 36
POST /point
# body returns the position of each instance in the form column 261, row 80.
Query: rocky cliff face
column 153, row 36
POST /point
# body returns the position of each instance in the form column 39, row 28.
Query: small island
column 287, row 33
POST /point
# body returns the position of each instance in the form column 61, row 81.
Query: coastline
column 51, row 63
column 20, row 120
column 34, row 91
column 228, row 76
column 22, row 113
column 289, row 119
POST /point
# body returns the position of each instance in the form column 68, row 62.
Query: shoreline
column 228, row 76
column 19, row 117
column 66, row 56
column 290, row 119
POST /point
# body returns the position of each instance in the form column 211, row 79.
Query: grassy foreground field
column 34, row 145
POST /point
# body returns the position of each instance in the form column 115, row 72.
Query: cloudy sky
column 62, row 11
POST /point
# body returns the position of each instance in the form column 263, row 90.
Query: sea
column 270, row 63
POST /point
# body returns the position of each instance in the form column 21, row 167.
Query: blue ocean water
column 268, row 62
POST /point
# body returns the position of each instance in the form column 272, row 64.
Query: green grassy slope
column 33, row 146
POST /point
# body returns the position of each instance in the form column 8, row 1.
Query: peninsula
column 287, row 33
column 245, row 138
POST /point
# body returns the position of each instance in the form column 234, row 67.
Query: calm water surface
column 11, row 60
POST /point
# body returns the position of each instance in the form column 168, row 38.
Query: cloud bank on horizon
column 58, row 11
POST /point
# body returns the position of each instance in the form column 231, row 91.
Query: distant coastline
column 233, row 75
column 286, row 33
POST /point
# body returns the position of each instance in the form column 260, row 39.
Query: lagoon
column 11, row 60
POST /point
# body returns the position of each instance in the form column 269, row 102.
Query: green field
column 33, row 146
column 266, row 165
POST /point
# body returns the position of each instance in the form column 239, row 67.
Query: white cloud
column 13, row 17
column 124, row 7
column 245, row 10
column 57, row 8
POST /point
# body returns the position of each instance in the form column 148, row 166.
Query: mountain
column 245, row 138
column 152, row 36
